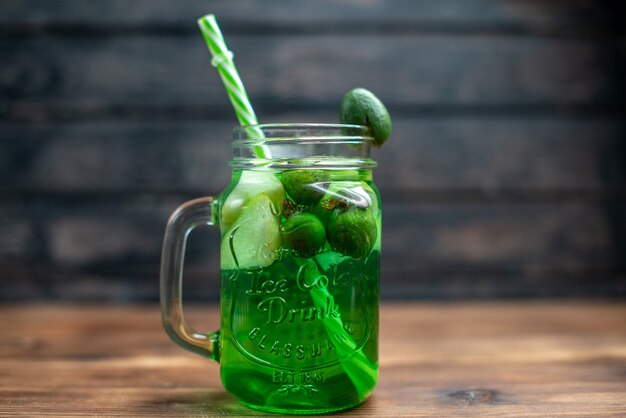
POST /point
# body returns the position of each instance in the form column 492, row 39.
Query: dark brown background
column 505, row 175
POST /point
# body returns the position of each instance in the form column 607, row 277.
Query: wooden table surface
column 449, row 359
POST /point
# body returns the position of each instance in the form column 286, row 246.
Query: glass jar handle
column 184, row 219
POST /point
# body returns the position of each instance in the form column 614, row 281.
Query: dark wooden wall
column 505, row 175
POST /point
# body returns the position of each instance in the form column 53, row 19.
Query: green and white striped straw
column 222, row 59
column 361, row 371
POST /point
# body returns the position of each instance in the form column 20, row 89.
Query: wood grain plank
column 75, row 74
column 517, row 359
column 520, row 236
column 525, row 237
column 533, row 14
column 485, row 155
column 95, row 252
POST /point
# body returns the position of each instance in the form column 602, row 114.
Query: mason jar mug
column 300, row 227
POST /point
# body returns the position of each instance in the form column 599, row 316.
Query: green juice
column 300, row 289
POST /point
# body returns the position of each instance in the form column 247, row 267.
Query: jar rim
column 302, row 131
column 295, row 145
column 310, row 125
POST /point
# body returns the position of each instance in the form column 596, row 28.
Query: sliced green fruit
column 361, row 107
column 251, row 184
column 254, row 239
